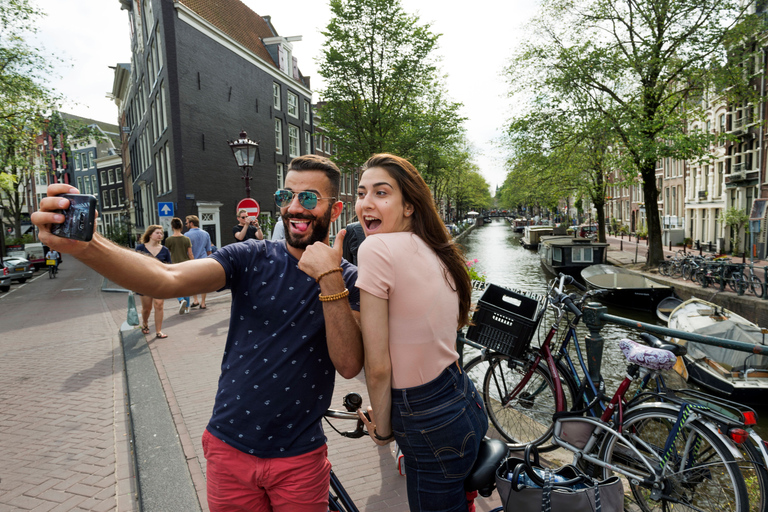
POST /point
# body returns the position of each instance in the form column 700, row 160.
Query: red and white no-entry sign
column 250, row 206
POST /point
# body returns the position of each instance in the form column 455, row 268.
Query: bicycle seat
column 653, row 341
column 647, row 357
column 482, row 477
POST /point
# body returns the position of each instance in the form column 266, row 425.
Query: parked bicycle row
column 716, row 271
column 677, row 448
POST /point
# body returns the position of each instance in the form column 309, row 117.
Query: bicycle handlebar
column 352, row 402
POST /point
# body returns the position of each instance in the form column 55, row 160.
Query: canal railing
column 595, row 317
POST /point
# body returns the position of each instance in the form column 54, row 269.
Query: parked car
column 5, row 280
column 19, row 269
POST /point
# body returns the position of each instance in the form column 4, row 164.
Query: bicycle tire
column 526, row 418
column 756, row 286
column 755, row 476
column 712, row 483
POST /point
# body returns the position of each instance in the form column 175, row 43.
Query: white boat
column 734, row 374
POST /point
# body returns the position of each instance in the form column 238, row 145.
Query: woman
column 414, row 294
column 152, row 245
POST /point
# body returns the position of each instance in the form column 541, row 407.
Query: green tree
column 383, row 92
column 24, row 101
column 736, row 220
column 644, row 68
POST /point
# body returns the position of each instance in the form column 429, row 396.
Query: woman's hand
column 371, row 427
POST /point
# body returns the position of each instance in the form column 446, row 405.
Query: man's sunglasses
column 307, row 199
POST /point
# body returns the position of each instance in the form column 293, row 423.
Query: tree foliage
column 24, row 101
column 383, row 91
column 644, row 68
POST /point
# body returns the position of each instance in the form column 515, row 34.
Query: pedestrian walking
column 152, row 246
column 181, row 250
column 201, row 248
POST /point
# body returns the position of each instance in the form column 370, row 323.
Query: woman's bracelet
column 377, row 436
column 337, row 269
column 335, row 296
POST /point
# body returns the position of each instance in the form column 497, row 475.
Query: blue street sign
column 165, row 209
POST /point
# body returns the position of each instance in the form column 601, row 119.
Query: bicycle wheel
column 700, row 475
column 525, row 417
column 756, row 286
column 755, row 476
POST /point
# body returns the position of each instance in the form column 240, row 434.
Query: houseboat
column 570, row 255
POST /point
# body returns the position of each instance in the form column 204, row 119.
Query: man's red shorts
column 238, row 481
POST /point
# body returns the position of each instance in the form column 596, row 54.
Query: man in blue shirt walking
column 201, row 247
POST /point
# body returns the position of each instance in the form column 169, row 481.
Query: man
column 201, row 247
column 181, row 250
column 279, row 232
column 248, row 228
column 264, row 444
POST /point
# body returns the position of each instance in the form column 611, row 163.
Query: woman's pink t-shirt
column 423, row 306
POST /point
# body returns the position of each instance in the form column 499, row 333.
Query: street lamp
column 245, row 151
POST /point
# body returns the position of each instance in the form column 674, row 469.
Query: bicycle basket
column 505, row 320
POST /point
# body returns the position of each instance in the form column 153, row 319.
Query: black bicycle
column 482, row 478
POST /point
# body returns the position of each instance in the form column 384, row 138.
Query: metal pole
column 247, row 178
column 594, row 342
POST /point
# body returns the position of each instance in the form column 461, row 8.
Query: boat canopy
column 730, row 359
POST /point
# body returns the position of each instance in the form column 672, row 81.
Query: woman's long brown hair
column 427, row 225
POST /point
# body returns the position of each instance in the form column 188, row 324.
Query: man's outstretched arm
column 125, row 267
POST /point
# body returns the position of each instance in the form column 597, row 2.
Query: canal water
column 506, row 263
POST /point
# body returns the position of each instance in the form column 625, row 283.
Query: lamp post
column 245, row 151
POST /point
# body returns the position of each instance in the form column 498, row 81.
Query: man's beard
column 320, row 228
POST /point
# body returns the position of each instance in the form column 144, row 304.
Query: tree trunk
column 655, row 248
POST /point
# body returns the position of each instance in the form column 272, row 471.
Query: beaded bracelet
column 335, row 296
column 337, row 269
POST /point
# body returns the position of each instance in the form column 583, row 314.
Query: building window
column 293, row 141
column 306, row 112
column 276, row 95
column 307, row 142
column 293, row 105
column 280, row 175
column 278, row 136
column 581, row 254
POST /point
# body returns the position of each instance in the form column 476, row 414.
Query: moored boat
column 737, row 375
column 625, row 288
column 569, row 255
column 666, row 306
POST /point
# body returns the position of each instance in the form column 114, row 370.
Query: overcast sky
column 476, row 43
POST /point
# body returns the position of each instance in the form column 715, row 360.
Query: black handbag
column 525, row 486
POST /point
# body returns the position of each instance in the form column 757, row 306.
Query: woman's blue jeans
column 439, row 426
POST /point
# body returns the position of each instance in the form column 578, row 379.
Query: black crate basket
column 505, row 320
